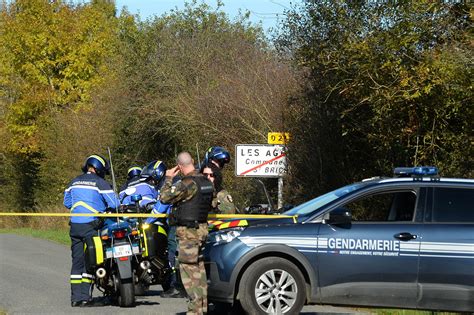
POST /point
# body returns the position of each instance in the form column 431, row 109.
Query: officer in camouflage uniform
column 191, row 197
column 222, row 202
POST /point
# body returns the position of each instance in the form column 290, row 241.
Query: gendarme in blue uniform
column 147, row 191
column 90, row 194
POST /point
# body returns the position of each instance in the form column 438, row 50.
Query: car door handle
column 405, row 236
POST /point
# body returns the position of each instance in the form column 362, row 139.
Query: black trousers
column 81, row 281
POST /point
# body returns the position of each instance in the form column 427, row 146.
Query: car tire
column 272, row 285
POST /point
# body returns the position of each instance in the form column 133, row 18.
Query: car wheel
column 272, row 285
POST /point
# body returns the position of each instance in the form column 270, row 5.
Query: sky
column 266, row 12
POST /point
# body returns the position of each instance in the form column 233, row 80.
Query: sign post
column 280, row 192
column 279, row 138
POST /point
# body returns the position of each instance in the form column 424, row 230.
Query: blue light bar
column 416, row 171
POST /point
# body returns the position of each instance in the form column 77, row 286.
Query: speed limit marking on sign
column 278, row 137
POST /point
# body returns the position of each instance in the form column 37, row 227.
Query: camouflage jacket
column 223, row 203
column 182, row 190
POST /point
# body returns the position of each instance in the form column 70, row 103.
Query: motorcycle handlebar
column 131, row 208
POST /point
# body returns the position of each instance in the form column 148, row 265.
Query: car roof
column 427, row 179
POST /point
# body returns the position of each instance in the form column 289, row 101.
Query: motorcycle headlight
column 224, row 236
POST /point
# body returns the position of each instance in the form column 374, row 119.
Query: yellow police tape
column 148, row 215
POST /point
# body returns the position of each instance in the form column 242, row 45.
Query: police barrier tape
column 147, row 215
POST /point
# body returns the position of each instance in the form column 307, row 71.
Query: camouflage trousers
column 191, row 267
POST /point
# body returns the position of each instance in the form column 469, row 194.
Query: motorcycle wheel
column 126, row 296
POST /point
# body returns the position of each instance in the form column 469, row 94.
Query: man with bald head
column 192, row 198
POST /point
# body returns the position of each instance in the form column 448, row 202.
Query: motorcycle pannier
column 155, row 241
column 94, row 253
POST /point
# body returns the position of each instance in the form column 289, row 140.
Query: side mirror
column 136, row 198
column 338, row 216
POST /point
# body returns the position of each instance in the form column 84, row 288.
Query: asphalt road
column 34, row 277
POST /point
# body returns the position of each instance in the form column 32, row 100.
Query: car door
column 373, row 260
column 446, row 274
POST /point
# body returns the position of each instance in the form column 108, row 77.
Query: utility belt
column 190, row 224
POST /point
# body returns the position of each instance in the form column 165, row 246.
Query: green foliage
column 53, row 55
column 362, row 87
column 388, row 84
column 194, row 78
column 78, row 79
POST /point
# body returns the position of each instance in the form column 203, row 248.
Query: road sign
column 278, row 137
column 260, row 160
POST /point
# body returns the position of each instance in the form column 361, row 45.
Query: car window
column 453, row 205
column 388, row 206
column 323, row 200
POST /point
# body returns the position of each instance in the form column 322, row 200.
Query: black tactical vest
column 197, row 208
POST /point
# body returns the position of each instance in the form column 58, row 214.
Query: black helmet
column 155, row 169
column 217, row 154
column 133, row 172
column 99, row 163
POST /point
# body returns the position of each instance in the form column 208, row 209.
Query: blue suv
column 404, row 242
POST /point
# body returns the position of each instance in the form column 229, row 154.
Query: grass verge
column 59, row 236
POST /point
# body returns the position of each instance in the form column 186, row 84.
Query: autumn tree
column 385, row 84
column 52, row 55
column 194, row 78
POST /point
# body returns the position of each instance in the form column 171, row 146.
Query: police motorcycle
column 111, row 257
column 152, row 266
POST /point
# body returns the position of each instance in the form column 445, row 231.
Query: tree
column 194, row 77
column 53, row 54
column 386, row 84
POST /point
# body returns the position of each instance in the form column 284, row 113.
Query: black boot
column 77, row 303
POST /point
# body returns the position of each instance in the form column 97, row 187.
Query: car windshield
column 318, row 202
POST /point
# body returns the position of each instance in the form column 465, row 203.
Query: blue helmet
column 155, row 169
column 99, row 163
column 133, row 172
column 218, row 154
